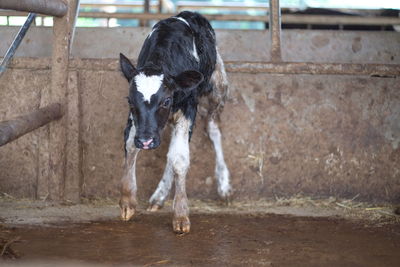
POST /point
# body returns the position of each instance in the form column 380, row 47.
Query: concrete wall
column 319, row 135
column 297, row 45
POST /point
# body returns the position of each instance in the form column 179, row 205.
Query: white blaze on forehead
column 148, row 85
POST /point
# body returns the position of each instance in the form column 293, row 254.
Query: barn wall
column 318, row 135
column 297, row 45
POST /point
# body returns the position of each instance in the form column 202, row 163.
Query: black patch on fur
column 126, row 131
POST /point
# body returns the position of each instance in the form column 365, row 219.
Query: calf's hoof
column 127, row 211
column 226, row 196
column 181, row 225
column 154, row 207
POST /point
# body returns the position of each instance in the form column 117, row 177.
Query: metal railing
column 161, row 9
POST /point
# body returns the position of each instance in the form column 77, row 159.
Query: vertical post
column 57, row 144
column 146, row 10
column 73, row 175
column 160, row 6
column 275, row 30
column 59, row 83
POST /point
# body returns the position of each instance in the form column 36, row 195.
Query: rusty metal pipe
column 48, row 7
column 12, row 129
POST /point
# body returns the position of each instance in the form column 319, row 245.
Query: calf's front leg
column 128, row 200
column 179, row 157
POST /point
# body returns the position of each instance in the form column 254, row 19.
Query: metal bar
column 275, row 30
column 132, row 4
column 17, row 41
column 12, row 129
column 380, row 70
column 159, row 16
column 233, row 66
column 74, row 16
column 290, row 19
column 191, row 5
column 48, row 7
column 329, row 20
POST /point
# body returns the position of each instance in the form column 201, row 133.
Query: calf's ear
column 127, row 67
column 188, row 80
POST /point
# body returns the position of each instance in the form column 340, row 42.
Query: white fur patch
column 164, row 186
column 221, row 171
column 194, row 53
column 130, row 146
column 178, row 152
column 151, row 32
column 183, row 20
column 148, row 85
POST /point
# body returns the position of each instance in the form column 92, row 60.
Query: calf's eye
column 166, row 103
column 132, row 108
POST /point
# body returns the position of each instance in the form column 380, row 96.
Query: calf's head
column 151, row 98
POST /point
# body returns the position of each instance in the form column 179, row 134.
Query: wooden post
column 146, row 10
column 275, row 30
column 160, row 6
column 73, row 175
column 57, row 144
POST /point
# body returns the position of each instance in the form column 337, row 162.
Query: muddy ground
column 283, row 233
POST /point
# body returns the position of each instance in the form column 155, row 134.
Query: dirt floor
column 284, row 232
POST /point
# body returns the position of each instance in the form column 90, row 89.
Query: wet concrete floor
column 215, row 240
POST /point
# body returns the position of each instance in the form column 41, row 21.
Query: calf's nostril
column 146, row 142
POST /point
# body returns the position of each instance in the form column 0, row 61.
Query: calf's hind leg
column 216, row 103
column 221, row 170
column 164, row 186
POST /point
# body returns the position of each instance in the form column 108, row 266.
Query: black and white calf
column 178, row 64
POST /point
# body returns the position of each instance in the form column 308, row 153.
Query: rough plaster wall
column 20, row 92
column 319, row 135
column 247, row 45
column 283, row 135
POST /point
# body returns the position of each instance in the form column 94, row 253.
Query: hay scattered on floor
column 347, row 208
column 93, row 209
column 6, row 252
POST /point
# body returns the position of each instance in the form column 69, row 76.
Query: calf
column 178, row 64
